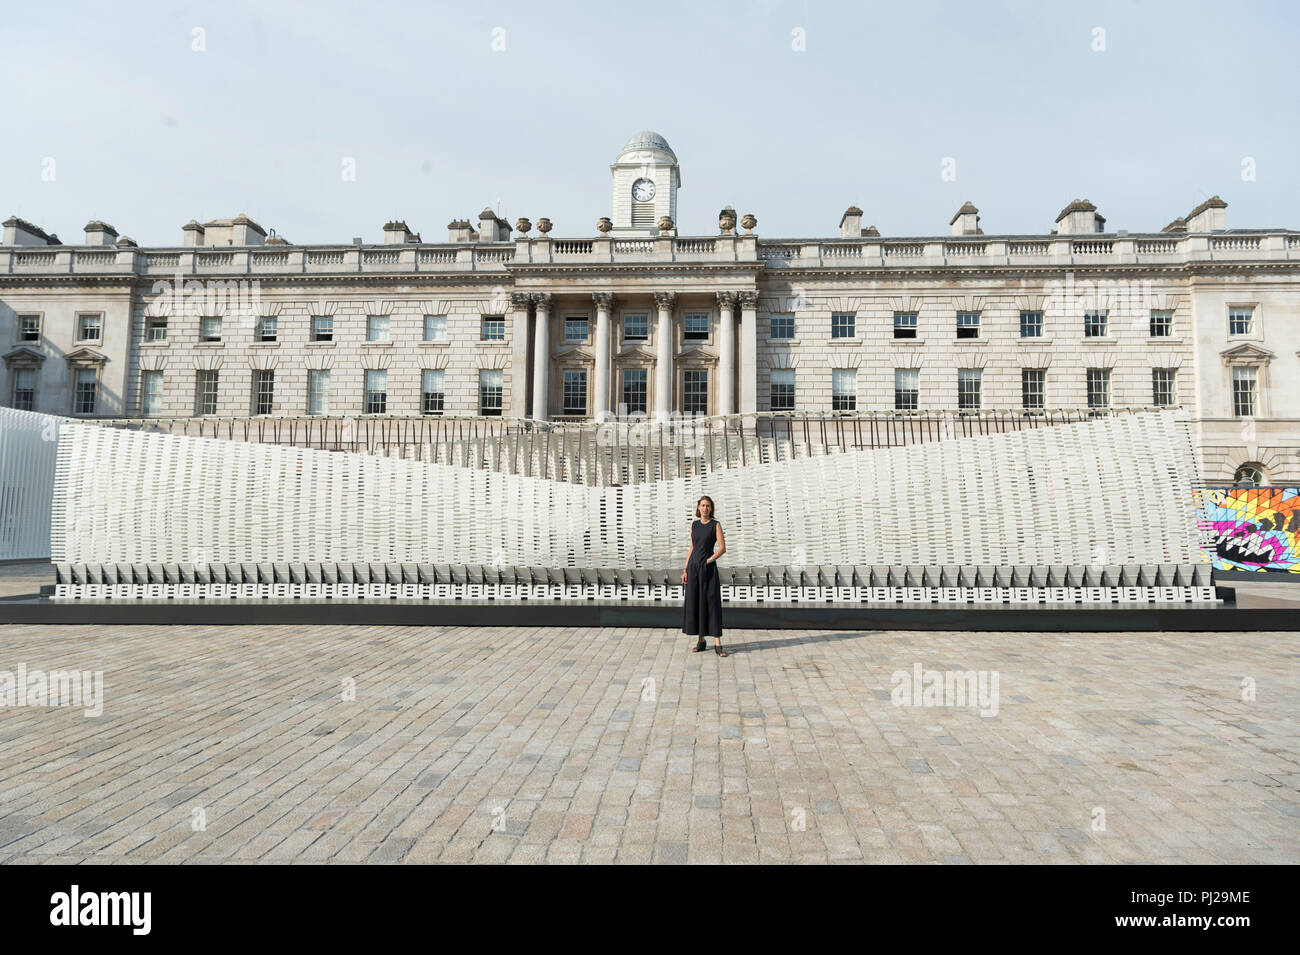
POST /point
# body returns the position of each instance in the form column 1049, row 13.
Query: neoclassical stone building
column 638, row 318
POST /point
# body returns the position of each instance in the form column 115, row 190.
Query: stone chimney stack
column 492, row 228
column 1208, row 216
column 459, row 230
column 100, row 233
column 851, row 223
column 1080, row 217
column 21, row 232
column 244, row 231
column 193, row 233
column 396, row 233
column 966, row 221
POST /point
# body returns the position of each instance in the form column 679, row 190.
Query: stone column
column 748, row 352
column 604, row 302
column 541, row 354
column 726, row 352
column 519, row 355
column 664, row 354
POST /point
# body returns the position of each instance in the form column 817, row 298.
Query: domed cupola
column 646, row 179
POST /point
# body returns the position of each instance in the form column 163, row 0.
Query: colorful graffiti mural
column 1254, row 528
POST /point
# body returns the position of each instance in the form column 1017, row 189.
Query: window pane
column 210, row 328
column 844, row 389
column 782, row 393
column 25, row 389
column 843, row 325
column 1240, row 320
column 490, row 387
column 968, row 324
column 151, row 392
column 907, row 388
column 782, row 327
column 1094, row 324
column 575, row 391
column 575, row 329
column 1031, row 324
column 905, row 324
column 263, row 391
column 435, row 328
column 1162, row 387
column 88, row 327
column 87, row 382
column 1162, row 323
column 376, row 396
column 377, row 328
column 634, row 390
column 695, row 392
column 968, row 389
column 205, row 392
column 494, row 328
column 1032, row 388
column 695, row 327
column 1098, row 388
column 1244, row 381
column 322, row 328
column 29, row 328
column 636, row 327
column 266, row 328
column 318, row 391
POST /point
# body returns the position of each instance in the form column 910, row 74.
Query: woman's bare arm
column 690, row 548
column 720, row 547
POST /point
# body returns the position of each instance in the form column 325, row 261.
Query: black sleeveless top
column 704, row 538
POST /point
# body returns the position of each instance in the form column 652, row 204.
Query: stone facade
column 534, row 326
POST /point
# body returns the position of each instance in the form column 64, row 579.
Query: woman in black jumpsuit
column 702, row 607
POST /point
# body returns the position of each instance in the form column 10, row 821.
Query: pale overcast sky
column 112, row 113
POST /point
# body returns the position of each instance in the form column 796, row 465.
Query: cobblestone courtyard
column 501, row 745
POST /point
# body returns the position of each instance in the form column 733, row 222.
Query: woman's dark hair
column 713, row 509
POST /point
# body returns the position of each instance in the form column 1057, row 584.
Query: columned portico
column 604, row 302
column 664, row 354
column 748, row 352
column 726, row 352
column 541, row 354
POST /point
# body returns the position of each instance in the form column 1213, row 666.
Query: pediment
column 572, row 351
column 85, row 356
column 1246, row 353
column 636, row 354
column 22, row 357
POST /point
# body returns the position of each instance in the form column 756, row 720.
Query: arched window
column 1249, row 475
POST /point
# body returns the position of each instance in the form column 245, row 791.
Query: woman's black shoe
column 700, row 646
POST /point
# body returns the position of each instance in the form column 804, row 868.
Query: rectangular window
column 25, row 389
column 489, row 391
column 29, row 328
column 636, row 327
column 267, row 328
column 89, row 327
column 843, row 325
column 432, row 395
column 1098, row 388
column 575, row 329
column 782, row 327
column 435, row 328
column 968, row 324
column 907, row 388
column 575, row 391
column 634, row 390
column 695, row 327
column 1241, row 319
column 155, row 330
column 377, row 328
column 322, row 328
column 318, row 391
column 1244, row 383
column 968, row 388
column 1094, row 324
column 1162, row 387
column 151, row 392
column 494, row 328
column 263, row 391
column 844, row 389
column 376, row 396
column 1033, row 388
column 905, row 324
column 205, row 392
column 87, row 384
column 695, row 391
column 1031, row 324
column 1162, row 323
column 782, row 394
column 210, row 328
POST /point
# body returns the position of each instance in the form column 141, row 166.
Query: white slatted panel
column 1116, row 490
column 28, row 448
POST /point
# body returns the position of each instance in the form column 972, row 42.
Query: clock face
column 643, row 190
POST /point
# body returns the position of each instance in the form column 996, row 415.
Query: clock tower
column 646, row 178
